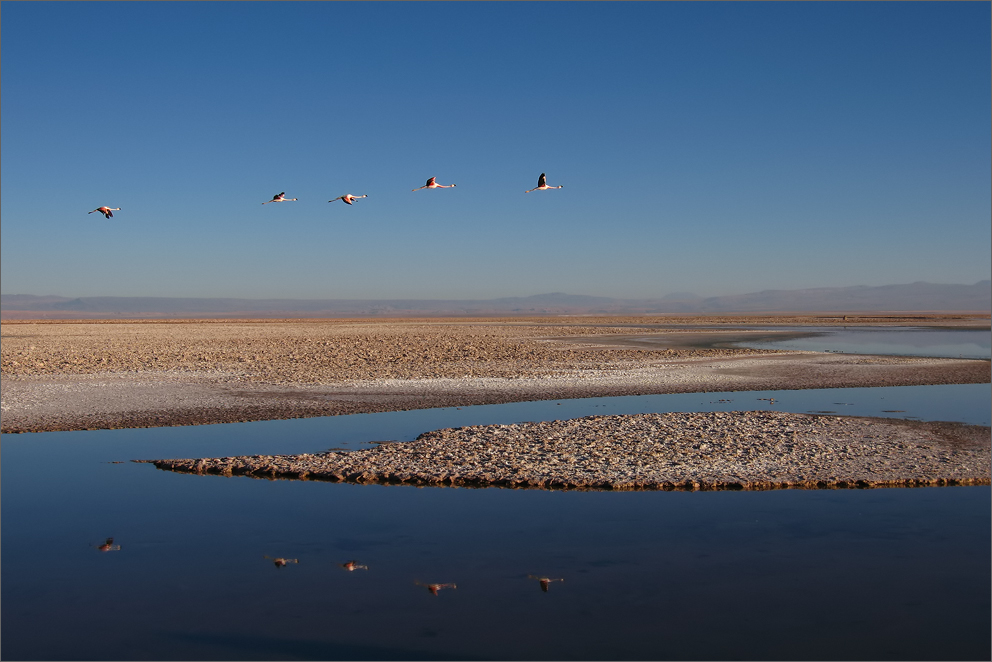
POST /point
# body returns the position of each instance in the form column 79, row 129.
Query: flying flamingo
column 542, row 184
column 279, row 197
column 352, row 566
column 281, row 562
column 106, row 211
column 545, row 581
column 348, row 199
column 433, row 184
column 434, row 588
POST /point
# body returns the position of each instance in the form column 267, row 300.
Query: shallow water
column 893, row 341
column 889, row 341
column 842, row 574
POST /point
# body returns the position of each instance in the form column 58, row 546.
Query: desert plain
column 71, row 375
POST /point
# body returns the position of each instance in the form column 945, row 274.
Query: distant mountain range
column 918, row 296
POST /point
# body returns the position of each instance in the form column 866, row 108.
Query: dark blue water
column 843, row 574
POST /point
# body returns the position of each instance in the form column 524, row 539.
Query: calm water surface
column 843, row 574
column 899, row 341
column 892, row 341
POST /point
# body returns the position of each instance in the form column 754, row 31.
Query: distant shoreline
column 897, row 299
column 828, row 316
column 962, row 318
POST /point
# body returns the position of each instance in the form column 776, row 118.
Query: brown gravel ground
column 95, row 375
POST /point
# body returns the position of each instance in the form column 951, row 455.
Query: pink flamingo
column 279, row 197
column 106, row 211
column 431, row 183
column 542, row 184
column 352, row 566
column 348, row 199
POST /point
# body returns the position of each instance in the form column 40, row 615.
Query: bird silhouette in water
column 542, row 184
column 108, row 546
column 352, row 566
column 280, row 562
column 546, row 581
column 432, row 183
column 279, row 197
column 108, row 212
column 348, row 199
column 434, row 588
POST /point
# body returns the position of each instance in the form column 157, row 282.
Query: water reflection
column 281, row 562
column 108, row 546
column 434, row 588
column 545, row 582
column 729, row 557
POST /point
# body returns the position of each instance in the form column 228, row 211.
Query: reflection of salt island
column 691, row 451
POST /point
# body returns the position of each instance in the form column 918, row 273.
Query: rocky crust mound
column 687, row 451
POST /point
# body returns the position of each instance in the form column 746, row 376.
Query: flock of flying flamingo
column 349, row 199
column 351, row 566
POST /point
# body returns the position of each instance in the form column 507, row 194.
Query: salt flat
column 93, row 375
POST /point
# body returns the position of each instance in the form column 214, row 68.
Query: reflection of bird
column 108, row 212
column 434, row 588
column 348, row 199
column 108, row 546
column 431, row 183
column 352, row 566
column 542, row 184
column 281, row 562
column 279, row 197
column 546, row 581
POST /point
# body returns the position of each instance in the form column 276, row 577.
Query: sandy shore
column 86, row 375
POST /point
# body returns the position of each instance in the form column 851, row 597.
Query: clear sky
column 716, row 148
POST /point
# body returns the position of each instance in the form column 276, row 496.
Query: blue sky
column 716, row 148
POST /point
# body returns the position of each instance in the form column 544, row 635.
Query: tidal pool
column 842, row 574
